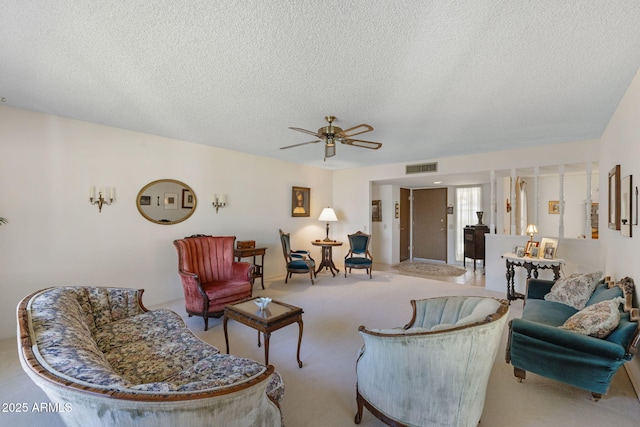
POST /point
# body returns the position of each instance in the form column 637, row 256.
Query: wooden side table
column 277, row 315
column 258, row 271
column 532, row 265
column 327, row 255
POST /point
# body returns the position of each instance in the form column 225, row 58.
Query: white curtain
column 468, row 202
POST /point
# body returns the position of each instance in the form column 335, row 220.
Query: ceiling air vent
column 421, row 168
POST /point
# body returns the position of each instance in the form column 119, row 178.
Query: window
column 468, row 202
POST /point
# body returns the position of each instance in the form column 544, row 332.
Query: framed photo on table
column 548, row 248
column 530, row 246
column 535, row 252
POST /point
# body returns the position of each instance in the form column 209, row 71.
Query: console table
column 531, row 265
column 327, row 255
column 258, row 271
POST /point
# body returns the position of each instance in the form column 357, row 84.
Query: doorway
column 405, row 223
column 430, row 224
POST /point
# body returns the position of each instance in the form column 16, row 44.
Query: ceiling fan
column 330, row 134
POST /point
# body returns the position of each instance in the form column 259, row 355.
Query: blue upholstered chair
column 358, row 256
column 299, row 261
column 435, row 370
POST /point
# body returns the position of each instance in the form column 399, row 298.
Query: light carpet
column 423, row 268
column 322, row 392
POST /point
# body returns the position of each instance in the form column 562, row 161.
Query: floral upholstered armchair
column 210, row 276
column 434, row 371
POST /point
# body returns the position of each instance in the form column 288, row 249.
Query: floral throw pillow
column 597, row 320
column 574, row 290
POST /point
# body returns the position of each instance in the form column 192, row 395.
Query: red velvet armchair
column 210, row 276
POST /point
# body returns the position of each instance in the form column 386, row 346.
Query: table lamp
column 327, row 215
column 531, row 230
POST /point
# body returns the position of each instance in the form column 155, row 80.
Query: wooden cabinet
column 474, row 243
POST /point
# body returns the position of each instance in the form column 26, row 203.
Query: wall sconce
column 219, row 201
column 100, row 201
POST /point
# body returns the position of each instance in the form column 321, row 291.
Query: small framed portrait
column 300, row 201
column 554, row 207
column 170, row 200
column 187, row 199
column 548, row 248
column 530, row 245
column 376, row 213
column 520, row 251
column 535, row 252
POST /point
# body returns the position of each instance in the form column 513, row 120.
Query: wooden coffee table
column 277, row 315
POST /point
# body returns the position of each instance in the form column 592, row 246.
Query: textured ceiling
column 434, row 78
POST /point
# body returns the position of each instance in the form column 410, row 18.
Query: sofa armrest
column 568, row 339
column 538, row 288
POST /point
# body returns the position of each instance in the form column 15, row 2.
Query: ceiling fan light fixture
column 330, row 134
column 329, row 151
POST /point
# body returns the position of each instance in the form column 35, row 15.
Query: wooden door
column 405, row 223
column 430, row 224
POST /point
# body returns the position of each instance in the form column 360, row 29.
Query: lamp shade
column 327, row 215
column 532, row 229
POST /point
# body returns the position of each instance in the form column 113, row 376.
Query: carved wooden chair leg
column 358, row 417
column 521, row 374
column 596, row 396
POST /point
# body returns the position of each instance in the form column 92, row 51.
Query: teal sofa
column 537, row 344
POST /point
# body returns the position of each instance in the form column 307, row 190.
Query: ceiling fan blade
column 363, row 144
column 306, row 131
column 297, row 145
column 356, row 130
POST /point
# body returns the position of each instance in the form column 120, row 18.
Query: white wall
column 620, row 145
column 55, row 237
column 352, row 186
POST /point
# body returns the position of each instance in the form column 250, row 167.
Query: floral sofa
column 99, row 352
column 579, row 330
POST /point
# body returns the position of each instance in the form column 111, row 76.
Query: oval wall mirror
column 166, row 201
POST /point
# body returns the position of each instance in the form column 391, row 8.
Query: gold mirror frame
column 179, row 199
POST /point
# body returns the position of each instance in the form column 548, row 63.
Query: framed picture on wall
column 187, row 199
column 170, row 200
column 300, row 201
column 376, row 213
column 614, row 198
column 554, row 207
column 626, row 200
